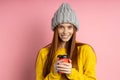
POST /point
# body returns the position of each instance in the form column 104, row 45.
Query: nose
column 65, row 30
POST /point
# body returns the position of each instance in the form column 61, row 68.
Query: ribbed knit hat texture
column 65, row 14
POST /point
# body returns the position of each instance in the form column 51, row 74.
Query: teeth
column 65, row 36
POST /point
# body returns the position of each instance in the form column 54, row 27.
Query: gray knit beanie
column 65, row 14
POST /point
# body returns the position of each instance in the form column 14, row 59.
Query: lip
column 63, row 36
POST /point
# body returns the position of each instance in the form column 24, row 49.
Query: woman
column 81, row 57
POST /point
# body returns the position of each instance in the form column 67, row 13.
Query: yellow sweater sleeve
column 39, row 67
column 89, row 65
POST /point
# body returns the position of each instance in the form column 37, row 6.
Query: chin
column 65, row 40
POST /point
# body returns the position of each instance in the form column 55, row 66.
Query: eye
column 60, row 27
column 70, row 27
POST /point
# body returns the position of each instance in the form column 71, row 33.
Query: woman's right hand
column 63, row 67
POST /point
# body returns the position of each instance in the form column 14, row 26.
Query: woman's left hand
column 64, row 67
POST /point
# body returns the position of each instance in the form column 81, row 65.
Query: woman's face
column 65, row 31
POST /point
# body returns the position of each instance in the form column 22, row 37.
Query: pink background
column 25, row 27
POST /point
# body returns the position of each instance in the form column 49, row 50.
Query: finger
column 63, row 69
column 61, row 66
column 64, row 66
column 66, row 71
column 55, row 65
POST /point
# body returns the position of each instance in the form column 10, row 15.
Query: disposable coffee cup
column 64, row 58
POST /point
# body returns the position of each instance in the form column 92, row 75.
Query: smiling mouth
column 64, row 36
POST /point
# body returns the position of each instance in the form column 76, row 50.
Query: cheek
column 60, row 31
column 71, row 31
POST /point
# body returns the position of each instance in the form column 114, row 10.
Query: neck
column 62, row 44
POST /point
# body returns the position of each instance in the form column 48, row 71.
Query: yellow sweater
column 86, row 65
